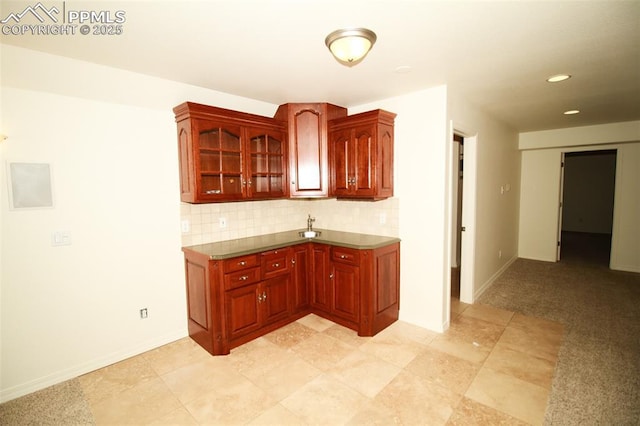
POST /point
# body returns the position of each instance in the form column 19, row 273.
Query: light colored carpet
column 597, row 378
column 61, row 404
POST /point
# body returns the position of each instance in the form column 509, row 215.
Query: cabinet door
column 242, row 306
column 308, row 164
column 345, row 302
column 362, row 167
column 320, row 281
column 266, row 167
column 300, row 277
column 340, row 144
column 218, row 161
column 274, row 304
column 186, row 162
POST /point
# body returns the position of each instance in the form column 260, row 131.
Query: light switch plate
column 61, row 238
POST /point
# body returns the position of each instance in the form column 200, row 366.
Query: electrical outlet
column 383, row 218
column 144, row 313
column 186, row 226
column 223, row 222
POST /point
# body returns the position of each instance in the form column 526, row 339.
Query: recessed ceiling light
column 572, row 112
column 557, row 78
column 403, row 69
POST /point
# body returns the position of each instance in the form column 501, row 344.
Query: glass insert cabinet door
column 220, row 158
column 267, row 174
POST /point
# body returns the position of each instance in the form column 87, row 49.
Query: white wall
column 423, row 177
column 497, row 180
column 420, row 178
column 625, row 240
column 540, row 190
column 109, row 136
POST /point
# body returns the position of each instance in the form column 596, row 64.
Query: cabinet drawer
column 345, row 255
column 240, row 278
column 274, row 263
column 240, row 263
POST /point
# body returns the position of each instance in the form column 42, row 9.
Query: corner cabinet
column 361, row 155
column 308, row 146
column 232, row 301
column 229, row 156
column 359, row 289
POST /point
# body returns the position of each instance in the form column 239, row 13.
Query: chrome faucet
column 310, row 221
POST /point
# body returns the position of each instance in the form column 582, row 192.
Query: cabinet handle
column 243, row 278
column 259, row 298
column 330, row 276
column 342, row 256
column 276, row 265
column 264, row 296
column 242, row 263
column 293, row 261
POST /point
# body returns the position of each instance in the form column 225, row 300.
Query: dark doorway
column 456, row 266
column 587, row 206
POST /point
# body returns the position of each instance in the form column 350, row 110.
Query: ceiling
column 496, row 54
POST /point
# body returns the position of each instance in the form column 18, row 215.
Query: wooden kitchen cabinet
column 229, row 156
column 233, row 301
column 361, row 155
column 345, row 283
column 254, row 306
column 308, row 146
column 320, row 277
column 301, row 268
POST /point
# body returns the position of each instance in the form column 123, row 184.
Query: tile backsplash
column 249, row 218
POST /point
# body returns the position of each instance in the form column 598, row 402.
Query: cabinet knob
column 264, row 296
column 276, row 265
column 330, row 276
column 293, row 261
column 342, row 256
column 242, row 263
column 243, row 278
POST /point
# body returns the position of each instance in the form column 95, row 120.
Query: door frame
column 560, row 206
column 468, row 240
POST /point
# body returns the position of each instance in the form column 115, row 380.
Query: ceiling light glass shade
column 350, row 46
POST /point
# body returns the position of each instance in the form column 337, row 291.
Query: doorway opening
column 457, row 181
column 586, row 208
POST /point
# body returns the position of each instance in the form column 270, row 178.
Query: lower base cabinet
column 233, row 301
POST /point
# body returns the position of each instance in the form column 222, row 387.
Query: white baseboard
column 478, row 291
column 92, row 365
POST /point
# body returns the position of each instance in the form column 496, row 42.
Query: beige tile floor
column 491, row 367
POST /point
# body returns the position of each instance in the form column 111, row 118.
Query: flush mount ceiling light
column 572, row 112
column 350, row 45
column 559, row 77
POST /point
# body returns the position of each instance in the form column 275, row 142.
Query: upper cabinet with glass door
column 267, row 164
column 229, row 156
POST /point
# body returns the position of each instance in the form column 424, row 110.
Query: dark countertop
column 260, row 243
